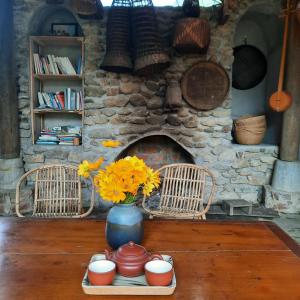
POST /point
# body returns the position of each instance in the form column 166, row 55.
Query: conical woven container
column 149, row 55
column 118, row 57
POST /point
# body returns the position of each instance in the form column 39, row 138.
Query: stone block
column 227, row 155
column 129, row 88
column 173, row 120
column 191, row 122
column 281, row 201
column 137, row 100
column 116, row 101
column 104, row 133
column 94, row 91
column 75, row 157
column 109, row 112
column 152, row 85
column 156, row 120
column 155, row 102
column 35, row 158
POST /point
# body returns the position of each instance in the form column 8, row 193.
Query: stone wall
column 127, row 107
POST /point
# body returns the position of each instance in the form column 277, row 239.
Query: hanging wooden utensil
column 282, row 100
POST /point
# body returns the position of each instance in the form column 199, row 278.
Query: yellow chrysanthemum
column 83, row 169
column 121, row 180
column 111, row 144
column 153, row 181
column 96, row 165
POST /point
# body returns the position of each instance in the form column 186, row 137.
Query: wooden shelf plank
column 57, row 77
column 62, row 111
column 59, row 41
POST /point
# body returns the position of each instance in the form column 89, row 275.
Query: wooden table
column 46, row 259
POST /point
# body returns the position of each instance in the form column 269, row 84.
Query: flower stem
column 129, row 199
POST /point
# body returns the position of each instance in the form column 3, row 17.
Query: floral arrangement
column 121, row 181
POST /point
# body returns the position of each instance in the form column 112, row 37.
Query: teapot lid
column 131, row 252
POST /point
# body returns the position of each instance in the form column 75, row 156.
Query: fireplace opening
column 157, row 151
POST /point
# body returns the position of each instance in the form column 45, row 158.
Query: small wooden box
column 128, row 286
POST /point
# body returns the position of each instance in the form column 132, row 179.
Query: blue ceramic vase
column 124, row 223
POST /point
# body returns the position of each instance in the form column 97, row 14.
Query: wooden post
column 9, row 129
column 291, row 119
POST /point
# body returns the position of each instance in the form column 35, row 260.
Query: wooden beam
column 291, row 124
column 9, row 129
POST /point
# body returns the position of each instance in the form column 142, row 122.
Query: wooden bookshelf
column 57, row 77
column 56, row 111
column 42, row 118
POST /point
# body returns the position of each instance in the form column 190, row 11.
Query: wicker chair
column 186, row 191
column 57, row 192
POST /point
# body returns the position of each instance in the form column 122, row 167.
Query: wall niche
column 261, row 28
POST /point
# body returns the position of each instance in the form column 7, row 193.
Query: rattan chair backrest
column 186, row 190
column 57, row 192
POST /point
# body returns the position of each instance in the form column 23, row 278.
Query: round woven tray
column 205, row 85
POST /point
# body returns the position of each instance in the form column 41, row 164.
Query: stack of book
column 68, row 100
column 61, row 135
column 48, row 137
column 55, row 65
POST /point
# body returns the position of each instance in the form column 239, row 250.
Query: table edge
column 284, row 237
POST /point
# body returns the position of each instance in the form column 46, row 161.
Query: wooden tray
column 127, row 286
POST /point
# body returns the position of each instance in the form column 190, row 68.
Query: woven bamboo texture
column 87, row 8
column 186, row 191
column 205, row 85
column 192, row 35
column 118, row 57
column 57, row 192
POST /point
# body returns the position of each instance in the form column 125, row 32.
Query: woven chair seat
column 56, row 192
column 186, row 191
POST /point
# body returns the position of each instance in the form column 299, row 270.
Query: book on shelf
column 60, row 135
column 56, row 65
column 68, row 100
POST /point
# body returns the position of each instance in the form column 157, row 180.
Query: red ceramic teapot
column 130, row 259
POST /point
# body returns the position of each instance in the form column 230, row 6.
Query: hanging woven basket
column 118, row 57
column 149, row 56
column 88, row 9
column 192, row 35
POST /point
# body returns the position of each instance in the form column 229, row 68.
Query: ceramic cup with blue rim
column 124, row 223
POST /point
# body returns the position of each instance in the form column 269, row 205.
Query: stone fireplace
column 158, row 150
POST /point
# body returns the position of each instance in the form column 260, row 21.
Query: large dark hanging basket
column 149, row 56
column 88, row 9
column 118, row 58
column 192, row 35
column 249, row 67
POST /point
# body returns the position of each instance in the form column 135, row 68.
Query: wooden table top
column 46, row 259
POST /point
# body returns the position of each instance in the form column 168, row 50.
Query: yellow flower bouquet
column 120, row 181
